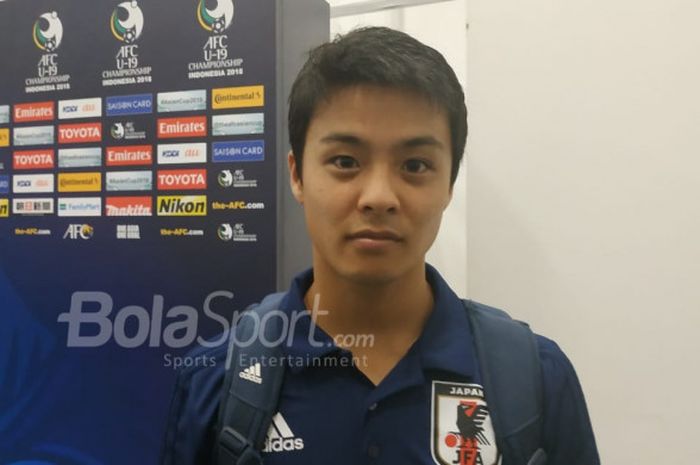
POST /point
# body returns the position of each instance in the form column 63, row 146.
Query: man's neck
column 392, row 312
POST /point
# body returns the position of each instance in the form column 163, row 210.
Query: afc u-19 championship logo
column 47, row 35
column 461, row 428
column 127, row 29
column 48, row 32
column 216, row 53
column 126, row 24
column 217, row 20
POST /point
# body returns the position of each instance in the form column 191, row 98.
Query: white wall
column 584, row 202
column 442, row 26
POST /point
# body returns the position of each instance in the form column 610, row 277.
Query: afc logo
column 216, row 48
column 79, row 231
column 127, row 57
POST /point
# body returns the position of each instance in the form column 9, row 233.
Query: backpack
column 506, row 350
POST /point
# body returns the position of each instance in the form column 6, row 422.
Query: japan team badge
column 461, row 430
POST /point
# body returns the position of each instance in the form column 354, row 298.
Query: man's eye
column 344, row 162
column 415, row 165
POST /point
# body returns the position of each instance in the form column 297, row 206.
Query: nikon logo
column 190, row 205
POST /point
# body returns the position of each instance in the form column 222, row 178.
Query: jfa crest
column 461, row 429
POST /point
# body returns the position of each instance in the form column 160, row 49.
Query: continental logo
column 36, row 111
column 76, row 133
column 238, row 97
column 79, row 182
column 237, row 205
column 188, row 205
column 194, row 126
column 4, row 208
column 33, row 159
column 4, row 137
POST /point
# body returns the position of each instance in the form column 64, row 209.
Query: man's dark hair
column 383, row 57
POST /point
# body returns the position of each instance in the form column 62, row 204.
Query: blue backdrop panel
column 138, row 180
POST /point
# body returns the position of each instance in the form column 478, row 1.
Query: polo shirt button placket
column 373, row 451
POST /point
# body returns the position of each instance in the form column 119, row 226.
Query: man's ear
column 449, row 198
column 294, row 180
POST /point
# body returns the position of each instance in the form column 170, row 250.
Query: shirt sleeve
column 567, row 433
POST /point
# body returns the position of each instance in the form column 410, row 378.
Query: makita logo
column 129, row 206
column 40, row 111
column 33, row 160
column 280, row 437
column 182, row 179
column 129, row 155
column 195, row 205
column 182, row 127
column 89, row 132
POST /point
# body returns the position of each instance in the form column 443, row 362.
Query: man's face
column 376, row 179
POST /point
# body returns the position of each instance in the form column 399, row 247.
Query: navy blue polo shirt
column 329, row 412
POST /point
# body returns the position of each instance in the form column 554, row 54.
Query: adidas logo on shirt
column 280, row 437
column 252, row 373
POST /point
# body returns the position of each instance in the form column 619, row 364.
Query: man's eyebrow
column 350, row 139
column 343, row 138
column 421, row 141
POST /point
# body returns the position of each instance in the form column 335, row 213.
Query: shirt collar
column 445, row 343
column 309, row 342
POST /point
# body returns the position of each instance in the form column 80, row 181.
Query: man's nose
column 378, row 191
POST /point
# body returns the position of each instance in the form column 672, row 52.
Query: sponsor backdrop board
column 142, row 202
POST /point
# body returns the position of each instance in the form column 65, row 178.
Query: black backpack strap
column 254, row 374
column 512, row 378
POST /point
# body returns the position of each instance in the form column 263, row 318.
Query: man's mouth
column 375, row 235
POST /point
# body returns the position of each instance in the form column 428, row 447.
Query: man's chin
column 375, row 275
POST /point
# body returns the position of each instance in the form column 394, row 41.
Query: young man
column 377, row 123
